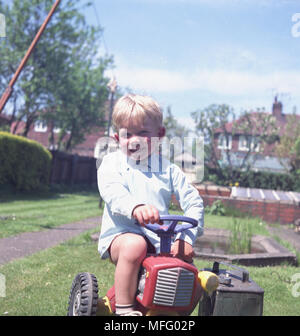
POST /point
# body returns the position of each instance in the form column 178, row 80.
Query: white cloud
column 215, row 3
column 148, row 79
column 219, row 81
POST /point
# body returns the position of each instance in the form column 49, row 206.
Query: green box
column 236, row 295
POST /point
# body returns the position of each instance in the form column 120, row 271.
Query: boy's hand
column 183, row 250
column 145, row 213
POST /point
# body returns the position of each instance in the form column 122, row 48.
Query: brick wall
column 270, row 211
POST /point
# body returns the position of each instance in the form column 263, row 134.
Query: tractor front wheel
column 83, row 298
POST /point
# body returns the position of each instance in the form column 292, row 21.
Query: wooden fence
column 72, row 169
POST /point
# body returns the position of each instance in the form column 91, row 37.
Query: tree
column 63, row 81
column 80, row 105
column 208, row 120
column 173, row 128
column 289, row 145
column 258, row 129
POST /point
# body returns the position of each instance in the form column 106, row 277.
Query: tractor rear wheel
column 83, row 298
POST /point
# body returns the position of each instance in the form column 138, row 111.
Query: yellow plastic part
column 209, row 281
column 104, row 307
column 153, row 312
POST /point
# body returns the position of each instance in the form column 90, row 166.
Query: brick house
column 239, row 143
column 41, row 132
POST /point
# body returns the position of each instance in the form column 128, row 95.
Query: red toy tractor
column 166, row 286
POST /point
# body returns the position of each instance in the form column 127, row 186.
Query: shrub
column 254, row 179
column 24, row 164
column 217, row 208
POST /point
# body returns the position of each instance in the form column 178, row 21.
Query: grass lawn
column 35, row 213
column 39, row 284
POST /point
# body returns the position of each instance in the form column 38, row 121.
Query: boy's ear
column 162, row 132
column 116, row 136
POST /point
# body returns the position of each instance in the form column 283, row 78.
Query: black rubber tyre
column 83, row 298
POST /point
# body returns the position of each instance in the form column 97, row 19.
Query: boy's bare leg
column 127, row 251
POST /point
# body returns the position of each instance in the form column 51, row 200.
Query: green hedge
column 24, row 164
column 252, row 179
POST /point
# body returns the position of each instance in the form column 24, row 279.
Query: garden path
column 287, row 234
column 27, row 243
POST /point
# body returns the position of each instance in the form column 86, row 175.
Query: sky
column 189, row 54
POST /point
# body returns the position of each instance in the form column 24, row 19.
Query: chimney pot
column 277, row 108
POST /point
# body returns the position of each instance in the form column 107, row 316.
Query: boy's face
column 138, row 140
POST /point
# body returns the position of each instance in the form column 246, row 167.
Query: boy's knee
column 134, row 247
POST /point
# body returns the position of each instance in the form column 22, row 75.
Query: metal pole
column 112, row 85
column 9, row 89
column 110, row 112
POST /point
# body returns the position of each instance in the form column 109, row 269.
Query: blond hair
column 132, row 107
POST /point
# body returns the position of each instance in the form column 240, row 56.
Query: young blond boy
column 134, row 190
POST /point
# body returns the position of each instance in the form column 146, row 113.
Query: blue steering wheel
column 173, row 227
column 166, row 230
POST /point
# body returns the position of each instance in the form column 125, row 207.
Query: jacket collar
column 151, row 164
